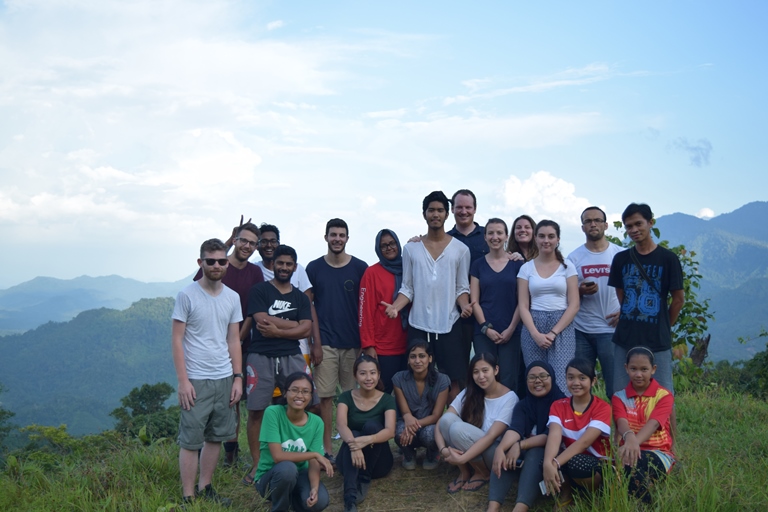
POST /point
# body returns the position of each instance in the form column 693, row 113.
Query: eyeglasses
column 300, row 392
column 266, row 243
column 390, row 245
column 543, row 377
column 249, row 243
column 587, row 222
column 221, row 261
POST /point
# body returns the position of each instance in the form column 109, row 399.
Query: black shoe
column 209, row 494
column 350, row 506
column 362, row 490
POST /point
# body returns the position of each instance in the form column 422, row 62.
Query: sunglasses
column 221, row 261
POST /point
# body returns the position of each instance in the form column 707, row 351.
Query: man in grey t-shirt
column 205, row 343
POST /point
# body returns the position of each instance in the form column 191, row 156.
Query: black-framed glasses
column 390, row 245
column 249, row 243
column 542, row 377
column 221, row 261
column 266, row 243
column 300, row 392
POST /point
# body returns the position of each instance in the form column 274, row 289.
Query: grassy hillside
column 723, row 446
column 76, row 372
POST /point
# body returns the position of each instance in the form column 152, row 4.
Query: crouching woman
column 291, row 440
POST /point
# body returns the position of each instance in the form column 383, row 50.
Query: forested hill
column 76, row 372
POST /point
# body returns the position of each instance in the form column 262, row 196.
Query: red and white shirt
column 574, row 424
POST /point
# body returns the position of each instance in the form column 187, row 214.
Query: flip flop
column 473, row 489
column 247, row 478
column 457, row 484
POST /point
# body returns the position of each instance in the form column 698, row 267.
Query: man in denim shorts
column 205, row 343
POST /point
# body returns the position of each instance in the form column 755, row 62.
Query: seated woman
column 291, row 439
column 421, row 393
column 521, row 450
column 365, row 419
column 469, row 431
column 579, row 431
column 641, row 412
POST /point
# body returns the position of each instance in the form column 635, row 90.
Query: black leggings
column 378, row 461
column 583, row 466
column 649, row 467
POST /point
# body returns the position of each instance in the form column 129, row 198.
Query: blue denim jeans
column 598, row 346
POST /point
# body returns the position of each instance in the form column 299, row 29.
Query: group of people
column 396, row 337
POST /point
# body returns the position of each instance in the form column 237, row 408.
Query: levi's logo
column 595, row 271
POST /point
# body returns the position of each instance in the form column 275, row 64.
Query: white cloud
column 571, row 77
column 272, row 25
column 705, row 213
column 400, row 112
column 543, row 196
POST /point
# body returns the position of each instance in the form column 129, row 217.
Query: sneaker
column 429, row 463
column 362, row 490
column 209, row 494
column 350, row 506
column 409, row 464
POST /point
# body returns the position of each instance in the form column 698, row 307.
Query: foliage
column 143, row 413
column 5, row 416
column 84, row 366
column 693, row 320
column 722, row 445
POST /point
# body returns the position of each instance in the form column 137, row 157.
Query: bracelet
column 553, row 332
column 624, row 435
column 443, row 448
column 520, row 444
column 555, row 461
column 236, row 375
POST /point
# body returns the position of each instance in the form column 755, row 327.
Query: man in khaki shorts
column 205, row 343
column 335, row 291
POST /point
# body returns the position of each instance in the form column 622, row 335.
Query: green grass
column 723, row 447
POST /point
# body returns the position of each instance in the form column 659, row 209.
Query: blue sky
column 132, row 131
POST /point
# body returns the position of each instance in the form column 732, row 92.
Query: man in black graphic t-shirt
column 281, row 317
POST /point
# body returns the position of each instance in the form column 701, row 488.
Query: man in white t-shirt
column 205, row 342
column 599, row 311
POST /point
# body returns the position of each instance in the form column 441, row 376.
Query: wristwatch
column 238, row 375
column 484, row 328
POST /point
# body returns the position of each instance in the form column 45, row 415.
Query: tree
column 144, row 407
column 5, row 415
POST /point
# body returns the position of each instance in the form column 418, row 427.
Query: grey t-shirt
column 207, row 319
column 420, row 406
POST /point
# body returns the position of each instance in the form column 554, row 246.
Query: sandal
column 248, row 480
column 467, row 486
column 456, row 485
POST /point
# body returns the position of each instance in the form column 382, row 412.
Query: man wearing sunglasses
column 206, row 354
column 241, row 276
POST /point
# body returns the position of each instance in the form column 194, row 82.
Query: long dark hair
column 473, row 405
column 364, row 358
column 432, row 373
column 512, row 245
column 556, row 226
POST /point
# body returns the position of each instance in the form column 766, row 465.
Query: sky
column 131, row 131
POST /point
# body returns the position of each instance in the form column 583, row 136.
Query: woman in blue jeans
column 524, row 441
column 291, row 439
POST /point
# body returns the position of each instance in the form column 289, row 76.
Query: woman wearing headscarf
column 380, row 336
column 521, row 451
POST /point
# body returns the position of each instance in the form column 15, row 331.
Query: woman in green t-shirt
column 365, row 419
column 292, row 451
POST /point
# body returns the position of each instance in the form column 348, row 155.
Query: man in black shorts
column 435, row 281
column 281, row 316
